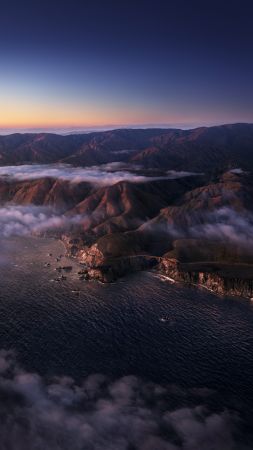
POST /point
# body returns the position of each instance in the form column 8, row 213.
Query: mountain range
column 177, row 200
column 223, row 146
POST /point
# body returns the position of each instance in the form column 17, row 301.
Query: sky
column 104, row 63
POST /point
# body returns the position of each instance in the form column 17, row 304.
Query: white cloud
column 223, row 224
column 106, row 174
column 98, row 414
column 237, row 171
column 24, row 220
column 174, row 174
column 227, row 225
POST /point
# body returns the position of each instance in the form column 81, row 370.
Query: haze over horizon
column 64, row 131
column 108, row 65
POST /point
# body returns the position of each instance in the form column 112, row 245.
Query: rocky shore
column 235, row 279
column 221, row 278
column 96, row 265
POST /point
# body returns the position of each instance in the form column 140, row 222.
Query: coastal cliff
column 107, row 262
column 223, row 279
column 195, row 263
column 108, row 269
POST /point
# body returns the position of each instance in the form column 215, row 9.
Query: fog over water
column 174, row 363
column 26, row 220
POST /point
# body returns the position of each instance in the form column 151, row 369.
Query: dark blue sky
column 183, row 63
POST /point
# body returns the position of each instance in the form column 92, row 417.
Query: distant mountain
column 201, row 149
column 37, row 148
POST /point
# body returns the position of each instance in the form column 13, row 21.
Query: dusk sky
column 125, row 63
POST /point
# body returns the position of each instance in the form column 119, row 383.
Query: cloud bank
column 174, row 174
column 24, row 220
column 126, row 414
column 103, row 175
column 223, row 224
column 226, row 225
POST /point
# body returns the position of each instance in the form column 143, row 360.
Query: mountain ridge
column 224, row 145
column 185, row 189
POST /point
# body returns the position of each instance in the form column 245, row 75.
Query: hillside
column 201, row 149
column 132, row 199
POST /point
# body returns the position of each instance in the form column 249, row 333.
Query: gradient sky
column 96, row 63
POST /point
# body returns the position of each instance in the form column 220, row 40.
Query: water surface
column 140, row 325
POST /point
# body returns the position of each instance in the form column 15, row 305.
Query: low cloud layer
column 101, row 415
column 24, row 220
column 227, row 225
column 223, row 224
column 174, row 174
column 106, row 174
column 238, row 171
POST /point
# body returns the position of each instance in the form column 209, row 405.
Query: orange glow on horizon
column 23, row 114
column 27, row 117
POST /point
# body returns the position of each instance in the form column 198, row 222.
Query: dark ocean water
column 141, row 325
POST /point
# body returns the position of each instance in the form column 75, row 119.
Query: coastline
column 107, row 270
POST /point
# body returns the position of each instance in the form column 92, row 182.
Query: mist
column 224, row 224
column 25, row 220
column 103, row 175
column 227, row 225
column 99, row 414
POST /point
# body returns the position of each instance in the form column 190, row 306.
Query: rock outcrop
column 107, row 267
column 222, row 279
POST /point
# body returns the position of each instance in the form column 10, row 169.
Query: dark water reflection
column 202, row 341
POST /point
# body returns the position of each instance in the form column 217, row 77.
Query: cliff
column 216, row 266
column 221, row 278
column 100, row 266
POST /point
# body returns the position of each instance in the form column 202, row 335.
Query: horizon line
column 65, row 130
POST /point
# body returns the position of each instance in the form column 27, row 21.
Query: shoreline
column 125, row 266
column 109, row 271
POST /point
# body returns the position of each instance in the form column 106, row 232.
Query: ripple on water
column 117, row 329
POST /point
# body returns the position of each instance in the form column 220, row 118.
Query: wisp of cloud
column 103, row 175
